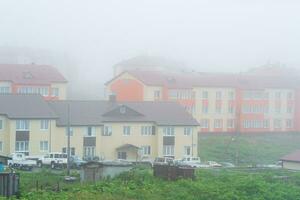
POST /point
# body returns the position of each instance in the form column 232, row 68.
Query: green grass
column 248, row 148
column 140, row 184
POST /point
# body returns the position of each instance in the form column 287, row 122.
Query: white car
column 213, row 164
column 163, row 161
column 190, row 161
column 19, row 161
column 53, row 159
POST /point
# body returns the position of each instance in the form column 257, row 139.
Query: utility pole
column 69, row 132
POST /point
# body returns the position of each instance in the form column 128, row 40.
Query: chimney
column 112, row 98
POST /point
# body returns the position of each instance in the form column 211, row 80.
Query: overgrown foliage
column 140, row 184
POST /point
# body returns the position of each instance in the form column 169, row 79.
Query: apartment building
column 32, row 79
column 107, row 129
column 219, row 102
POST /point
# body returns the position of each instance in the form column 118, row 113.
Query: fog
column 91, row 36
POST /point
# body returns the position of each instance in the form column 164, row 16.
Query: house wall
column 291, row 165
column 62, row 87
column 106, row 146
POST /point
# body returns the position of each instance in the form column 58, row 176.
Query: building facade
column 32, row 79
column 219, row 102
column 106, row 129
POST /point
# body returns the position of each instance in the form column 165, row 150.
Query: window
column 90, row 131
column 21, row 146
column 205, row 109
column 218, row 108
column 4, row 90
column 43, row 145
column 231, row 96
column 277, row 108
column 122, row 155
column 230, row 109
column 43, row 91
column 205, row 95
column 146, row 150
column 188, row 131
column 277, row 95
column 22, row 125
column 107, row 131
column 289, row 96
column 266, row 123
column 44, row 124
column 72, row 150
column 1, row 124
column 89, row 152
column 71, row 131
column 157, row 94
column 168, row 150
column 168, row 131
column 219, row 95
column 289, row 109
column 289, row 123
column 218, row 123
column 146, row 130
column 230, row 123
column 1, row 146
column 126, row 130
column 277, row 123
column 187, row 150
column 55, row 92
column 204, row 123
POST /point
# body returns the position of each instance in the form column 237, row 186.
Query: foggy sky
column 207, row 35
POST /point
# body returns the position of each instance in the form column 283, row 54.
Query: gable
column 122, row 111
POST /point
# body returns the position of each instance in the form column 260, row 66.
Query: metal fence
column 169, row 172
column 9, row 184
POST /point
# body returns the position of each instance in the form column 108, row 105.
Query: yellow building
column 106, row 129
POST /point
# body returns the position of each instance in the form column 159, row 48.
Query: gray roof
column 25, row 107
column 92, row 113
column 83, row 113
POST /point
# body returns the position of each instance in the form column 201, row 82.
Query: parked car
column 213, row 164
column 227, row 165
column 190, row 162
column 76, row 162
column 53, row 159
column 163, row 161
column 19, row 161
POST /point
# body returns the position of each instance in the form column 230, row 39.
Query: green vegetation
column 248, row 148
column 140, row 184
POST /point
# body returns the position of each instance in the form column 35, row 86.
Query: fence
column 9, row 184
column 170, row 172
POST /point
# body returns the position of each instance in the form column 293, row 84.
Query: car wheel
column 52, row 165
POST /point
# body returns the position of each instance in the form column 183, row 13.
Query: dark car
column 76, row 162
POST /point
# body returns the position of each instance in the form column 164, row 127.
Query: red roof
column 293, row 157
column 185, row 80
column 30, row 74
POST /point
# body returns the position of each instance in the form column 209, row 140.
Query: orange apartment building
column 220, row 102
column 32, row 79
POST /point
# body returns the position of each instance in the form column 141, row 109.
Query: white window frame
column 4, row 90
column 168, row 131
column 44, row 146
column 146, row 130
column 219, row 95
column 55, row 92
column 218, row 109
column 126, row 130
column 277, row 123
column 93, row 131
column 204, row 94
column 89, row 151
column 22, row 125
column 107, row 131
column 230, row 123
column 44, row 124
column 23, row 144
column 187, row 150
column 146, row 150
column 205, row 109
column 187, row 131
column 168, row 150
column 218, row 123
column 231, row 95
column 205, row 122
column 289, row 123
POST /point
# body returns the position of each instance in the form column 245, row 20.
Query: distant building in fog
column 247, row 102
column 32, row 79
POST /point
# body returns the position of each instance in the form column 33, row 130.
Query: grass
column 140, row 184
column 248, row 148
